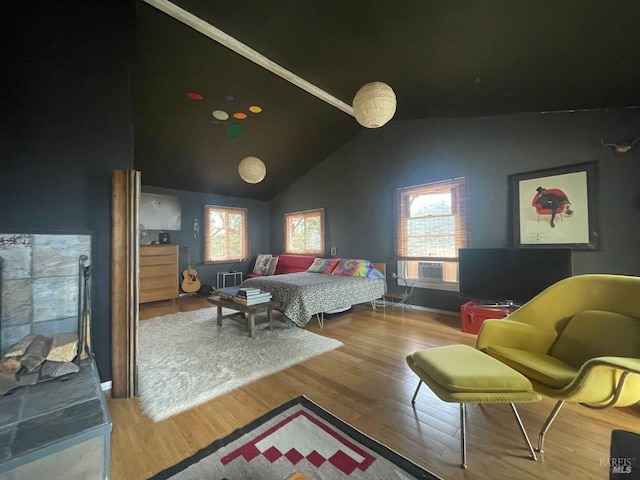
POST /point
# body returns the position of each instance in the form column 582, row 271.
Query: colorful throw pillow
column 353, row 268
column 323, row 265
column 262, row 265
column 375, row 273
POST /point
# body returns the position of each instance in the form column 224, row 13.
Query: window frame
column 458, row 188
column 317, row 212
column 208, row 234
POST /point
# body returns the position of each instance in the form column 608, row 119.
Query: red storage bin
column 472, row 314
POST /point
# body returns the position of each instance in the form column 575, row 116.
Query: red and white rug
column 298, row 436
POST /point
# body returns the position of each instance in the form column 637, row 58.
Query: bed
column 302, row 295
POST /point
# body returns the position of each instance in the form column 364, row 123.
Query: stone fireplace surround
column 40, row 280
column 59, row 428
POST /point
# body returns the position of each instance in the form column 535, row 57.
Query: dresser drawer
column 159, row 278
column 150, row 250
column 158, row 271
column 166, row 281
column 157, row 260
column 157, row 294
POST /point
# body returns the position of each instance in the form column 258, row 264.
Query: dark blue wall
column 191, row 206
column 356, row 184
column 67, row 126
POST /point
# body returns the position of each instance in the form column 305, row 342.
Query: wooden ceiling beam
column 247, row 52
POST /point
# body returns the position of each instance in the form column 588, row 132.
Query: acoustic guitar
column 190, row 282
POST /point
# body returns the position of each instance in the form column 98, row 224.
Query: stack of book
column 227, row 293
column 251, row 296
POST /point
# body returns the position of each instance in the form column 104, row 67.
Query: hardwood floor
column 368, row 384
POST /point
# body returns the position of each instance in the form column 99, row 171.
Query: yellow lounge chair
column 577, row 341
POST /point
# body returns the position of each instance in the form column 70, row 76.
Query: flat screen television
column 511, row 276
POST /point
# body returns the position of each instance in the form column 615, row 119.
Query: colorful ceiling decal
column 220, row 115
column 234, row 130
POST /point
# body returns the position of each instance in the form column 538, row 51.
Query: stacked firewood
column 36, row 358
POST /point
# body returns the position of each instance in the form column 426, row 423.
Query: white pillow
column 272, row 265
column 262, row 264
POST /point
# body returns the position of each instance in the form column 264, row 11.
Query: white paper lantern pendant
column 252, row 170
column 374, row 104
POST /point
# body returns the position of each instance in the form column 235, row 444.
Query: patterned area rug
column 298, row 437
column 185, row 359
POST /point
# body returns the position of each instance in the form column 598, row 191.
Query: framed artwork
column 556, row 207
column 160, row 212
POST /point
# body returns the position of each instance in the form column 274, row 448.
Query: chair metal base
column 463, row 429
column 396, row 300
column 552, row 416
column 554, row 413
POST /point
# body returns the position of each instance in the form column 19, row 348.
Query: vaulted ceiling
column 442, row 58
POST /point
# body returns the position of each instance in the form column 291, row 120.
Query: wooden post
column 247, row 52
column 125, row 192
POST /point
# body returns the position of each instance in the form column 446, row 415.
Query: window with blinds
column 431, row 225
column 225, row 234
column 304, row 232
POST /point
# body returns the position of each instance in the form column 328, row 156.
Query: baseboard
column 421, row 308
column 105, row 386
column 434, row 310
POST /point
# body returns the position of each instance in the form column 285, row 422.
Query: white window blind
column 225, row 238
column 304, row 232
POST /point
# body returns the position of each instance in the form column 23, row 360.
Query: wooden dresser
column 159, row 278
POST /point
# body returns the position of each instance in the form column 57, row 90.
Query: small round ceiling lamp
column 374, row 104
column 252, row 170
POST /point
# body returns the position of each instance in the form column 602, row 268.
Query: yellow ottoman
column 462, row 374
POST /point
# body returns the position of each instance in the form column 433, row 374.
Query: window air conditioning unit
column 430, row 270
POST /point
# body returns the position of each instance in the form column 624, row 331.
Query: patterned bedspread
column 302, row 295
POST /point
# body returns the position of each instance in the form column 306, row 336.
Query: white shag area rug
column 185, row 359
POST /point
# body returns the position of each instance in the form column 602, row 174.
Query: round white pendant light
column 252, row 170
column 374, row 104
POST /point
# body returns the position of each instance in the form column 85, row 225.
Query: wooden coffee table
column 244, row 314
